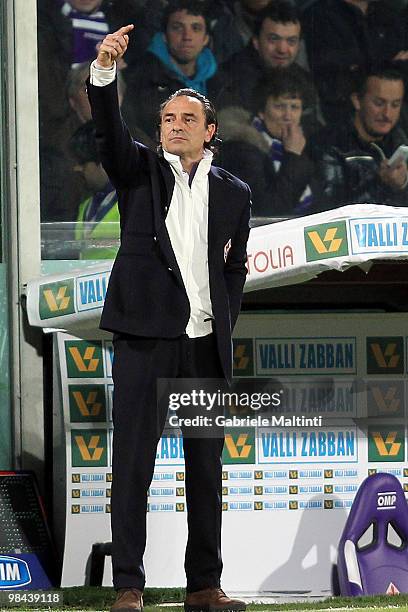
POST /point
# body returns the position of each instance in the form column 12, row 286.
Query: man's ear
column 210, row 132
column 255, row 42
column 355, row 100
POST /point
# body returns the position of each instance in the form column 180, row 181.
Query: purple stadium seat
column 373, row 551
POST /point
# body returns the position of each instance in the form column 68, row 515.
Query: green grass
column 101, row 598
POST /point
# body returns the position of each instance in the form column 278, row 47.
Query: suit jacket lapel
column 218, row 204
column 162, row 182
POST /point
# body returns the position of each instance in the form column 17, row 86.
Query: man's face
column 378, row 110
column 186, row 36
column 183, row 129
column 280, row 111
column 278, row 43
column 254, row 6
column 85, row 6
column 94, row 175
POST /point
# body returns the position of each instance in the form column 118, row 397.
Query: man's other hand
column 293, row 138
column 395, row 176
column 113, row 46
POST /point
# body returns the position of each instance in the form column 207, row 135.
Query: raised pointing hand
column 114, row 46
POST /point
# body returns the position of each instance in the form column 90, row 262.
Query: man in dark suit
column 172, row 302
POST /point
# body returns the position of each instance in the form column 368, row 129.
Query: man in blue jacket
column 178, row 56
column 173, row 299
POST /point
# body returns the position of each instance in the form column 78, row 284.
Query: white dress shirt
column 187, row 226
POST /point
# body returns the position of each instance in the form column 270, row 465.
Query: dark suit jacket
column 146, row 294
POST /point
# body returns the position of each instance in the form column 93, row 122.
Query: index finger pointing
column 125, row 29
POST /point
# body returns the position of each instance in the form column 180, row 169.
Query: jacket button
column 170, row 269
column 155, row 238
column 165, row 209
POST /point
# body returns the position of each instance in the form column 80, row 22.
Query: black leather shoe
column 212, row 600
column 128, row 600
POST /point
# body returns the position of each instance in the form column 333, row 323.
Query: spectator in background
column 268, row 150
column 343, row 36
column 274, row 46
column 76, row 91
column 232, row 25
column 177, row 57
column 98, row 214
column 68, row 34
column 352, row 158
column 61, row 45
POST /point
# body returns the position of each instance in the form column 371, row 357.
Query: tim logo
column 84, row 359
column 386, row 500
column 57, row 299
column 89, row 448
column 87, row 403
column 325, row 241
column 239, row 447
column 385, row 355
column 14, row 573
column 243, row 354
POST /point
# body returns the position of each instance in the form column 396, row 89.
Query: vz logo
column 385, row 355
column 56, row 299
column 325, row 241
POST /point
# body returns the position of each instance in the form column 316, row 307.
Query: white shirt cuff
column 100, row 76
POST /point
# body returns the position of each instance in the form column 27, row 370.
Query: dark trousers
column 138, row 423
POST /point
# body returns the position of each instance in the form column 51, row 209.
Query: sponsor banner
column 326, row 240
column 89, row 448
column 89, row 508
column 22, row 571
column 164, row 477
column 88, row 478
column 84, row 359
column 87, row 403
column 56, row 299
column 238, row 474
column 66, row 300
column 14, row 572
column 356, row 366
column 238, row 490
column 243, row 357
column 297, row 446
column 319, row 397
column 386, row 443
column 341, row 473
column 170, row 450
column 282, row 253
column 386, row 398
column 163, row 492
column 239, row 446
column 91, row 291
column 89, row 493
column 305, row 356
column 382, row 235
column 385, row 355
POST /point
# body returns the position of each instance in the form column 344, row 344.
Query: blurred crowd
column 310, row 97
